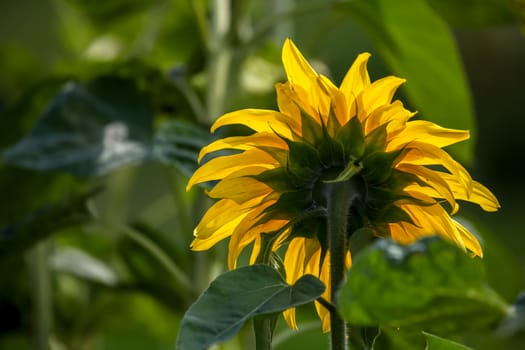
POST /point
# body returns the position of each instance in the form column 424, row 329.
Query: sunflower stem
column 339, row 199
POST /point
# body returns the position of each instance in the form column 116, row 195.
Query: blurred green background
column 117, row 273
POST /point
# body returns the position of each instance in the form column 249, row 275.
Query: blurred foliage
column 105, row 105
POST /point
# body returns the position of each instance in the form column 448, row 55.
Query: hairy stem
column 339, row 198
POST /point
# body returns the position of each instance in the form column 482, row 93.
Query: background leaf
column 90, row 130
column 237, row 296
column 430, row 285
column 418, row 46
column 437, row 343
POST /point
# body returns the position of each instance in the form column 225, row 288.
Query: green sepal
column 393, row 214
column 378, row 166
column 292, row 203
column 331, row 151
column 352, row 137
column 310, row 129
column 276, row 178
column 303, row 164
column 375, row 141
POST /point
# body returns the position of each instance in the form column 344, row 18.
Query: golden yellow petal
column 246, row 231
column 294, row 264
column 477, row 193
column 224, row 166
column 394, row 115
column 218, row 223
column 334, row 100
column 260, row 139
column 378, row 94
column 286, row 103
column 433, row 219
column 259, row 120
column 240, row 189
column 298, row 70
column 355, row 81
column 438, row 187
column 324, row 275
column 471, row 242
column 424, row 131
column 422, row 153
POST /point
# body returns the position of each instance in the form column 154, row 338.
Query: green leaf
column 178, row 143
column 17, row 238
column 437, row 343
column 92, row 129
column 418, row 45
column 430, row 285
column 237, row 296
column 88, row 130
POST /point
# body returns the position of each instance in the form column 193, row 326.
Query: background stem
column 41, row 281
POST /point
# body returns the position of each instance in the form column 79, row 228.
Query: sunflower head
column 271, row 188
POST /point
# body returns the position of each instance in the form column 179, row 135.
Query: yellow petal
column 239, row 188
column 218, row 223
column 355, row 80
column 259, row 120
column 286, row 102
column 477, row 193
column 257, row 140
column 423, row 153
column 394, row 115
column 378, row 94
column 221, row 167
column 424, row 131
column 439, row 188
column 324, row 275
column 294, row 264
column 471, row 242
column 336, row 101
column 298, row 70
column 433, row 219
column 246, row 231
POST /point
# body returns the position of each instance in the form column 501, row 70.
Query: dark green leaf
column 90, row 130
column 237, row 296
column 429, row 285
column 437, row 343
column 17, row 238
column 178, row 143
column 418, row 46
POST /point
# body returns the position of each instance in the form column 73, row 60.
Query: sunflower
column 270, row 185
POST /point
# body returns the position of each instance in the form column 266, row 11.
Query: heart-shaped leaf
column 237, row 296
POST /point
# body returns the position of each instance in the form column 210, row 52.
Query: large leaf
column 89, row 130
column 430, row 285
column 437, row 343
column 237, row 296
column 418, row 46
column 19, row 237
